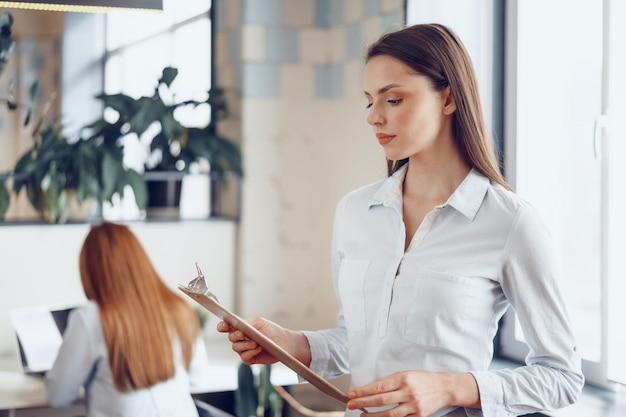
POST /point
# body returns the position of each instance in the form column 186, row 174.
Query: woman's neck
column 435, row 179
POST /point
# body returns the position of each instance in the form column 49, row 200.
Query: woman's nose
column 374, row 117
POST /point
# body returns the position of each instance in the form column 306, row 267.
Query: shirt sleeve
column 73, row 363
column 329, row 352
column 552, row 376
column 329, row 348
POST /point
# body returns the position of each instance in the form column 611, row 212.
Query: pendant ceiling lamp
column 92, row 6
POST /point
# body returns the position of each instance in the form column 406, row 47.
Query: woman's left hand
column 416, row 393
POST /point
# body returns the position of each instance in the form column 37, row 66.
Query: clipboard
column 266, row 343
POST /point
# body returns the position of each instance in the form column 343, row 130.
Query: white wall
column 40, row 263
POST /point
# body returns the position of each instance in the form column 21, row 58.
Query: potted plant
column 54, row 171
column 174, row 148
column 255, row 395
column 7, row 44
column 92, row 166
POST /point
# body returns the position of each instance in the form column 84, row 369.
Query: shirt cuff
column 320, row 353
column 491, row 397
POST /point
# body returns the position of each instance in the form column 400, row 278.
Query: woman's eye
column 390, row 101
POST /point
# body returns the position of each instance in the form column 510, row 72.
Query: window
column 179, row 37
column 563, row 135
column 564, row 138
column 478, row 24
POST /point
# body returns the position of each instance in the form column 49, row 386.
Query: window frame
column 509, row 347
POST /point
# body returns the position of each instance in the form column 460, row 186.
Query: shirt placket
column 395, row 266
column 424, row 228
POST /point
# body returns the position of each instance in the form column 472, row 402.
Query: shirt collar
column 469, row 195
column 390, row 192
column 466, row 199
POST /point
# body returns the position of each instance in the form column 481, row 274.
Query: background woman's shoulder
column 88, row 314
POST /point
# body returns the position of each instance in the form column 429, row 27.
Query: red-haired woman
column 135, row 347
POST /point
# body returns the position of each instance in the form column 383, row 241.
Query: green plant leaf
column 98, row 128
column 32, row 96
column 168, row 75
column 230, row 154
column 276, row 403
column 172, row 129
column 7, row 43
column 32, row 91
column 63, row 207
column 85, row 170
column 5, row 199
column 29, row 114
column 246, row 398
column 111, row 171
column 147, row 111
column 121, row 103
column 263, row 390
column 50, row 208
column 139, row 187
column 159, row 142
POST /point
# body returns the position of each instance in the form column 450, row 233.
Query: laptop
column 39, row 334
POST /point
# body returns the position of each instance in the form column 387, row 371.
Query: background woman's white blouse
column 83, row 363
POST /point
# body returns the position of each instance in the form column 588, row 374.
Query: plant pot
column 164, row 190
column 163, row 198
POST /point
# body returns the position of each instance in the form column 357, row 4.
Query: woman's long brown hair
column 435, row 51
column 141, row 317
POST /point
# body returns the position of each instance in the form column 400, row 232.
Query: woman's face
column 408, row 116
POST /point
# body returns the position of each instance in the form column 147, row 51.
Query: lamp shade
column 94, row 6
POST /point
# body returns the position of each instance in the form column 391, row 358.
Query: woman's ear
column 449, row 105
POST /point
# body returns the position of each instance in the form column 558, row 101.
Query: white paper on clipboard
column 269, row 345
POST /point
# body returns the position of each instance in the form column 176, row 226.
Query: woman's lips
column 384, row 138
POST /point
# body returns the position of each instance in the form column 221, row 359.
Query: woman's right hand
column 251, row 352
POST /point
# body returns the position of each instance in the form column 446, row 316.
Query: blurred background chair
column 207, row 410
column 300, row 408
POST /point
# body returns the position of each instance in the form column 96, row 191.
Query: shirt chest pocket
column 351, row 286
column 438, row 312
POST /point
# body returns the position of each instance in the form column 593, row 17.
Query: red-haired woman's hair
column 142, row 319
column 436, row 52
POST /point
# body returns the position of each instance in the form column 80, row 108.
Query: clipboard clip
column 198, row 284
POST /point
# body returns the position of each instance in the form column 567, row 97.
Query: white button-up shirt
column 436, row 306
column 83, row 362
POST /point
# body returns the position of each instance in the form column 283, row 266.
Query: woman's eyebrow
column 383, row 89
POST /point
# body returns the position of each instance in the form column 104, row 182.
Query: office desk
column 24, row 396
column 19, row 391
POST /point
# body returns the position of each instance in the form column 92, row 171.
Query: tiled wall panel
column 296, row 67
